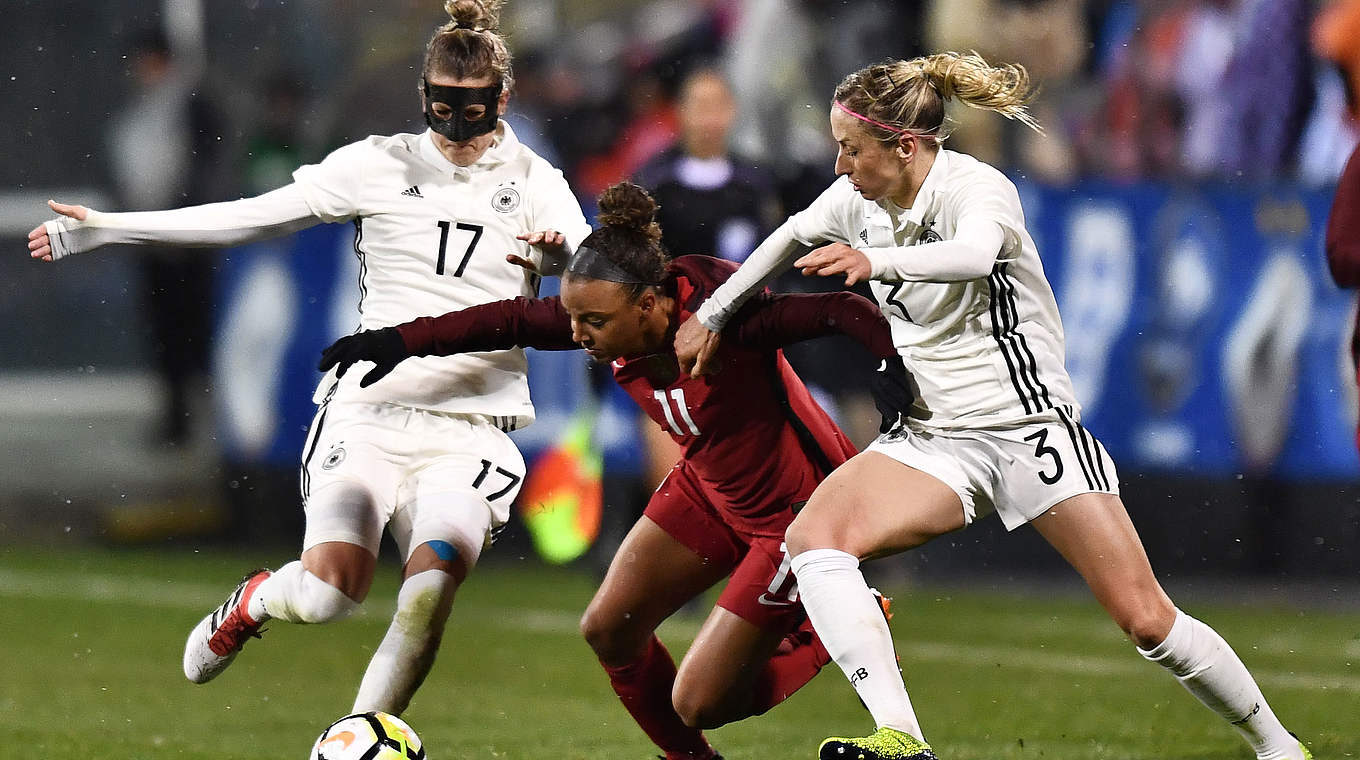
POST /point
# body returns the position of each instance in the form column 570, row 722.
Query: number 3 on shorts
column 487, row 469
column 1041, row 450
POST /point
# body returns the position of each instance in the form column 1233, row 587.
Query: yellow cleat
column 883, row 744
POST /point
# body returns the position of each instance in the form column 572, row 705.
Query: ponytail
column 900, row 97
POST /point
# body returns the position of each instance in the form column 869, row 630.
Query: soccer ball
column 368, row 736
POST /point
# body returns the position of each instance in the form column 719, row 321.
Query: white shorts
column 1016, row 472
column 426, row 476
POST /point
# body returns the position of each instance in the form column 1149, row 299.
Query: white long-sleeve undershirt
column 211, row 225
column 970, row 254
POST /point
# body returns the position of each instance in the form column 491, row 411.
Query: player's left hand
column 552, row 242
column 834, row 259
column 384, row 348
column 893, row 395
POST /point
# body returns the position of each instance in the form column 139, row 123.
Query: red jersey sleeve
column 1343, row 226
column 539, row 323
column 774, row 321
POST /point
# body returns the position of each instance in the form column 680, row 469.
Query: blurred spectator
column 527, row 115
column 262, row 415
column 165, row 148
column 378, row 90
column 1334, row 129
column 1268, row 89
column 1049, row 38
column 712, row 202
column 649, row 125
column 1201, row 39
column 1136, row 130
column 275, row 149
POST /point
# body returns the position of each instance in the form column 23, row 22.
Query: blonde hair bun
column 475, row 15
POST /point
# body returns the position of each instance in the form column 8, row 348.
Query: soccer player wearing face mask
column 435, row 215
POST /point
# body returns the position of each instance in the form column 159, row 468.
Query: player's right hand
column 384, row 348
column 695, row 346
column 40, row 240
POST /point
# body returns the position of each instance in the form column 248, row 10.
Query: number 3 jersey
column 432, row 237
column 752, row 435
column 977, row 324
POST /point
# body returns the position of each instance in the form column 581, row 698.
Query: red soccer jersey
column 751, row 432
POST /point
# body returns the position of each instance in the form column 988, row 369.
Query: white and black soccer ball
column 368, row 736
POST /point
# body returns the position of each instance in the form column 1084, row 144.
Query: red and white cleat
column 214, row 642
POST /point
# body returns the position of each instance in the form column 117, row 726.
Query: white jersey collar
column 504, row 146
column 888, row 214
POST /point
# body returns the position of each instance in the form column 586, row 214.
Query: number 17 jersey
column 432, row 237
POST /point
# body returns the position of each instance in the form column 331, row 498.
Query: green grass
column 90, row 642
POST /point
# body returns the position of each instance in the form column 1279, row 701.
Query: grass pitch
column 90, row 642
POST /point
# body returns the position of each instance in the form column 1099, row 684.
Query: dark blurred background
column 1178, row 197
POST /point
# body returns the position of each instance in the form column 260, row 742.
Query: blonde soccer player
column 442, row 221
column 996, row 427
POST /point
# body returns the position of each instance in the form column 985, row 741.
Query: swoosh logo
column 769, row 602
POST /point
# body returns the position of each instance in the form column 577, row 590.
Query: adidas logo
column 412, row 192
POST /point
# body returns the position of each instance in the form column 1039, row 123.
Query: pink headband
column 867, row 120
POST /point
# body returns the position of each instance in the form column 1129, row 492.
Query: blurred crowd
column 1127, row 89
column 719, row 106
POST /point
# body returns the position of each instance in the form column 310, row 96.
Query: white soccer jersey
column 432, row 237
column 985, row 348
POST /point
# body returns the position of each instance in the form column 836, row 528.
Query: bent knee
column 1147, row 623
column 324, row 605
column 816, row 528
column 698, row 710
column 613, row 639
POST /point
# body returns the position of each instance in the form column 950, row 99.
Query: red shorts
column 761, row 589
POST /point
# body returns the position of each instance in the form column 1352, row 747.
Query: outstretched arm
column 539, row 323
column 214, row 225
column 772, row 321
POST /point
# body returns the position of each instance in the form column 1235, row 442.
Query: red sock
column 644, row 686
column 799, row 657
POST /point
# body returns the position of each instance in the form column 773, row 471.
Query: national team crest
column 337, row 456
column 929, row 236
column 505, row 200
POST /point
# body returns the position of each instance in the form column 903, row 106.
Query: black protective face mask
column 458, row 127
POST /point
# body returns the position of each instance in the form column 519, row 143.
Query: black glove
column 384, row 347
column 892, row 391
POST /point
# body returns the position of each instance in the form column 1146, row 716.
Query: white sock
column 295, row 595
column 1204, row 663
column 850, row 623
column 407, row 651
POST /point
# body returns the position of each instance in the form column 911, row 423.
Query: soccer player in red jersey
column 754, row 442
